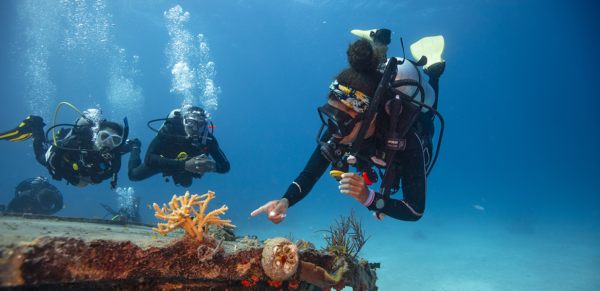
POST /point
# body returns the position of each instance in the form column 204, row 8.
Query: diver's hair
column 46, row 197
column 362, row 75
column 112, row 125
column 361, row 56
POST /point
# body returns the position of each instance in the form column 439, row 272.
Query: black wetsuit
column 72, row 165
column 410, row 168
column 162, row 154
column 26, row 201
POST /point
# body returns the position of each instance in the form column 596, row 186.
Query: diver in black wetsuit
column 346, row 109
column 88, row 153
column 181, row 149
column 36, row 196
column 129, row 212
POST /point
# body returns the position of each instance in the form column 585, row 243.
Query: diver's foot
column 377, row 36
column 435, row 70
column 30, row 126
column 33, row 123
column 131, row 144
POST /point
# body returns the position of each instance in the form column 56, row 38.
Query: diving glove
column 200, row 164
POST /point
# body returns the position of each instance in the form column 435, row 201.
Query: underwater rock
column 68, row 263
column 227, row 232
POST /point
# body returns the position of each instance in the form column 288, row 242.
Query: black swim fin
column 25, row 130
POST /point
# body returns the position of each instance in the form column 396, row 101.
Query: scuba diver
column 380, row 119
column 128, row 213
column 181, row 149
column 87, row 153
column 36, row 196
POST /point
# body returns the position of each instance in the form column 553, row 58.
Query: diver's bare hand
column 200, row 164
column 355, row 186
column 275, row 209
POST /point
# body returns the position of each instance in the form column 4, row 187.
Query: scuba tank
column 409, row 71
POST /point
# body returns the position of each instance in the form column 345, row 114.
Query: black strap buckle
column 397, row 144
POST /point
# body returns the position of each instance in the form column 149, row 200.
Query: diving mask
column 339, row 123
column 194, row 121
column 108, row 139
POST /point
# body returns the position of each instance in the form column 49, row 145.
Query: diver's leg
column 141, row 172
column 136, row 170
column 134, row 160
column 39, row 145
column 434, row 72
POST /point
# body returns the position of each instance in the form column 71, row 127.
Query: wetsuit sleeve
column 153, row 157
column 414, row 184
column 314, row 169
column 217, row 154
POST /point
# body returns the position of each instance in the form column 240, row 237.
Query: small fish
column 64, row 206
column 310, row 227
column 154, row 237
column 125, row 227
column 149, row 206
column 478, row 207
column 97, row 217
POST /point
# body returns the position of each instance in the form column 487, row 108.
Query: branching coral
column 179, row 214
column 341, row 240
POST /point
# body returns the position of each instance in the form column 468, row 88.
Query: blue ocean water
column 518, row 98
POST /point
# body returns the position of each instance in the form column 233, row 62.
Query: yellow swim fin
column 431, row 47
column 25, row 130
column 366, row 34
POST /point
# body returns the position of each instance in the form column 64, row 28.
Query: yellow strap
column 54, row 121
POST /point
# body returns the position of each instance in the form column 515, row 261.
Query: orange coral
column 293, row 286
column 254, row 278
column 275, row 283
column 180, row 209
column 247, row 283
